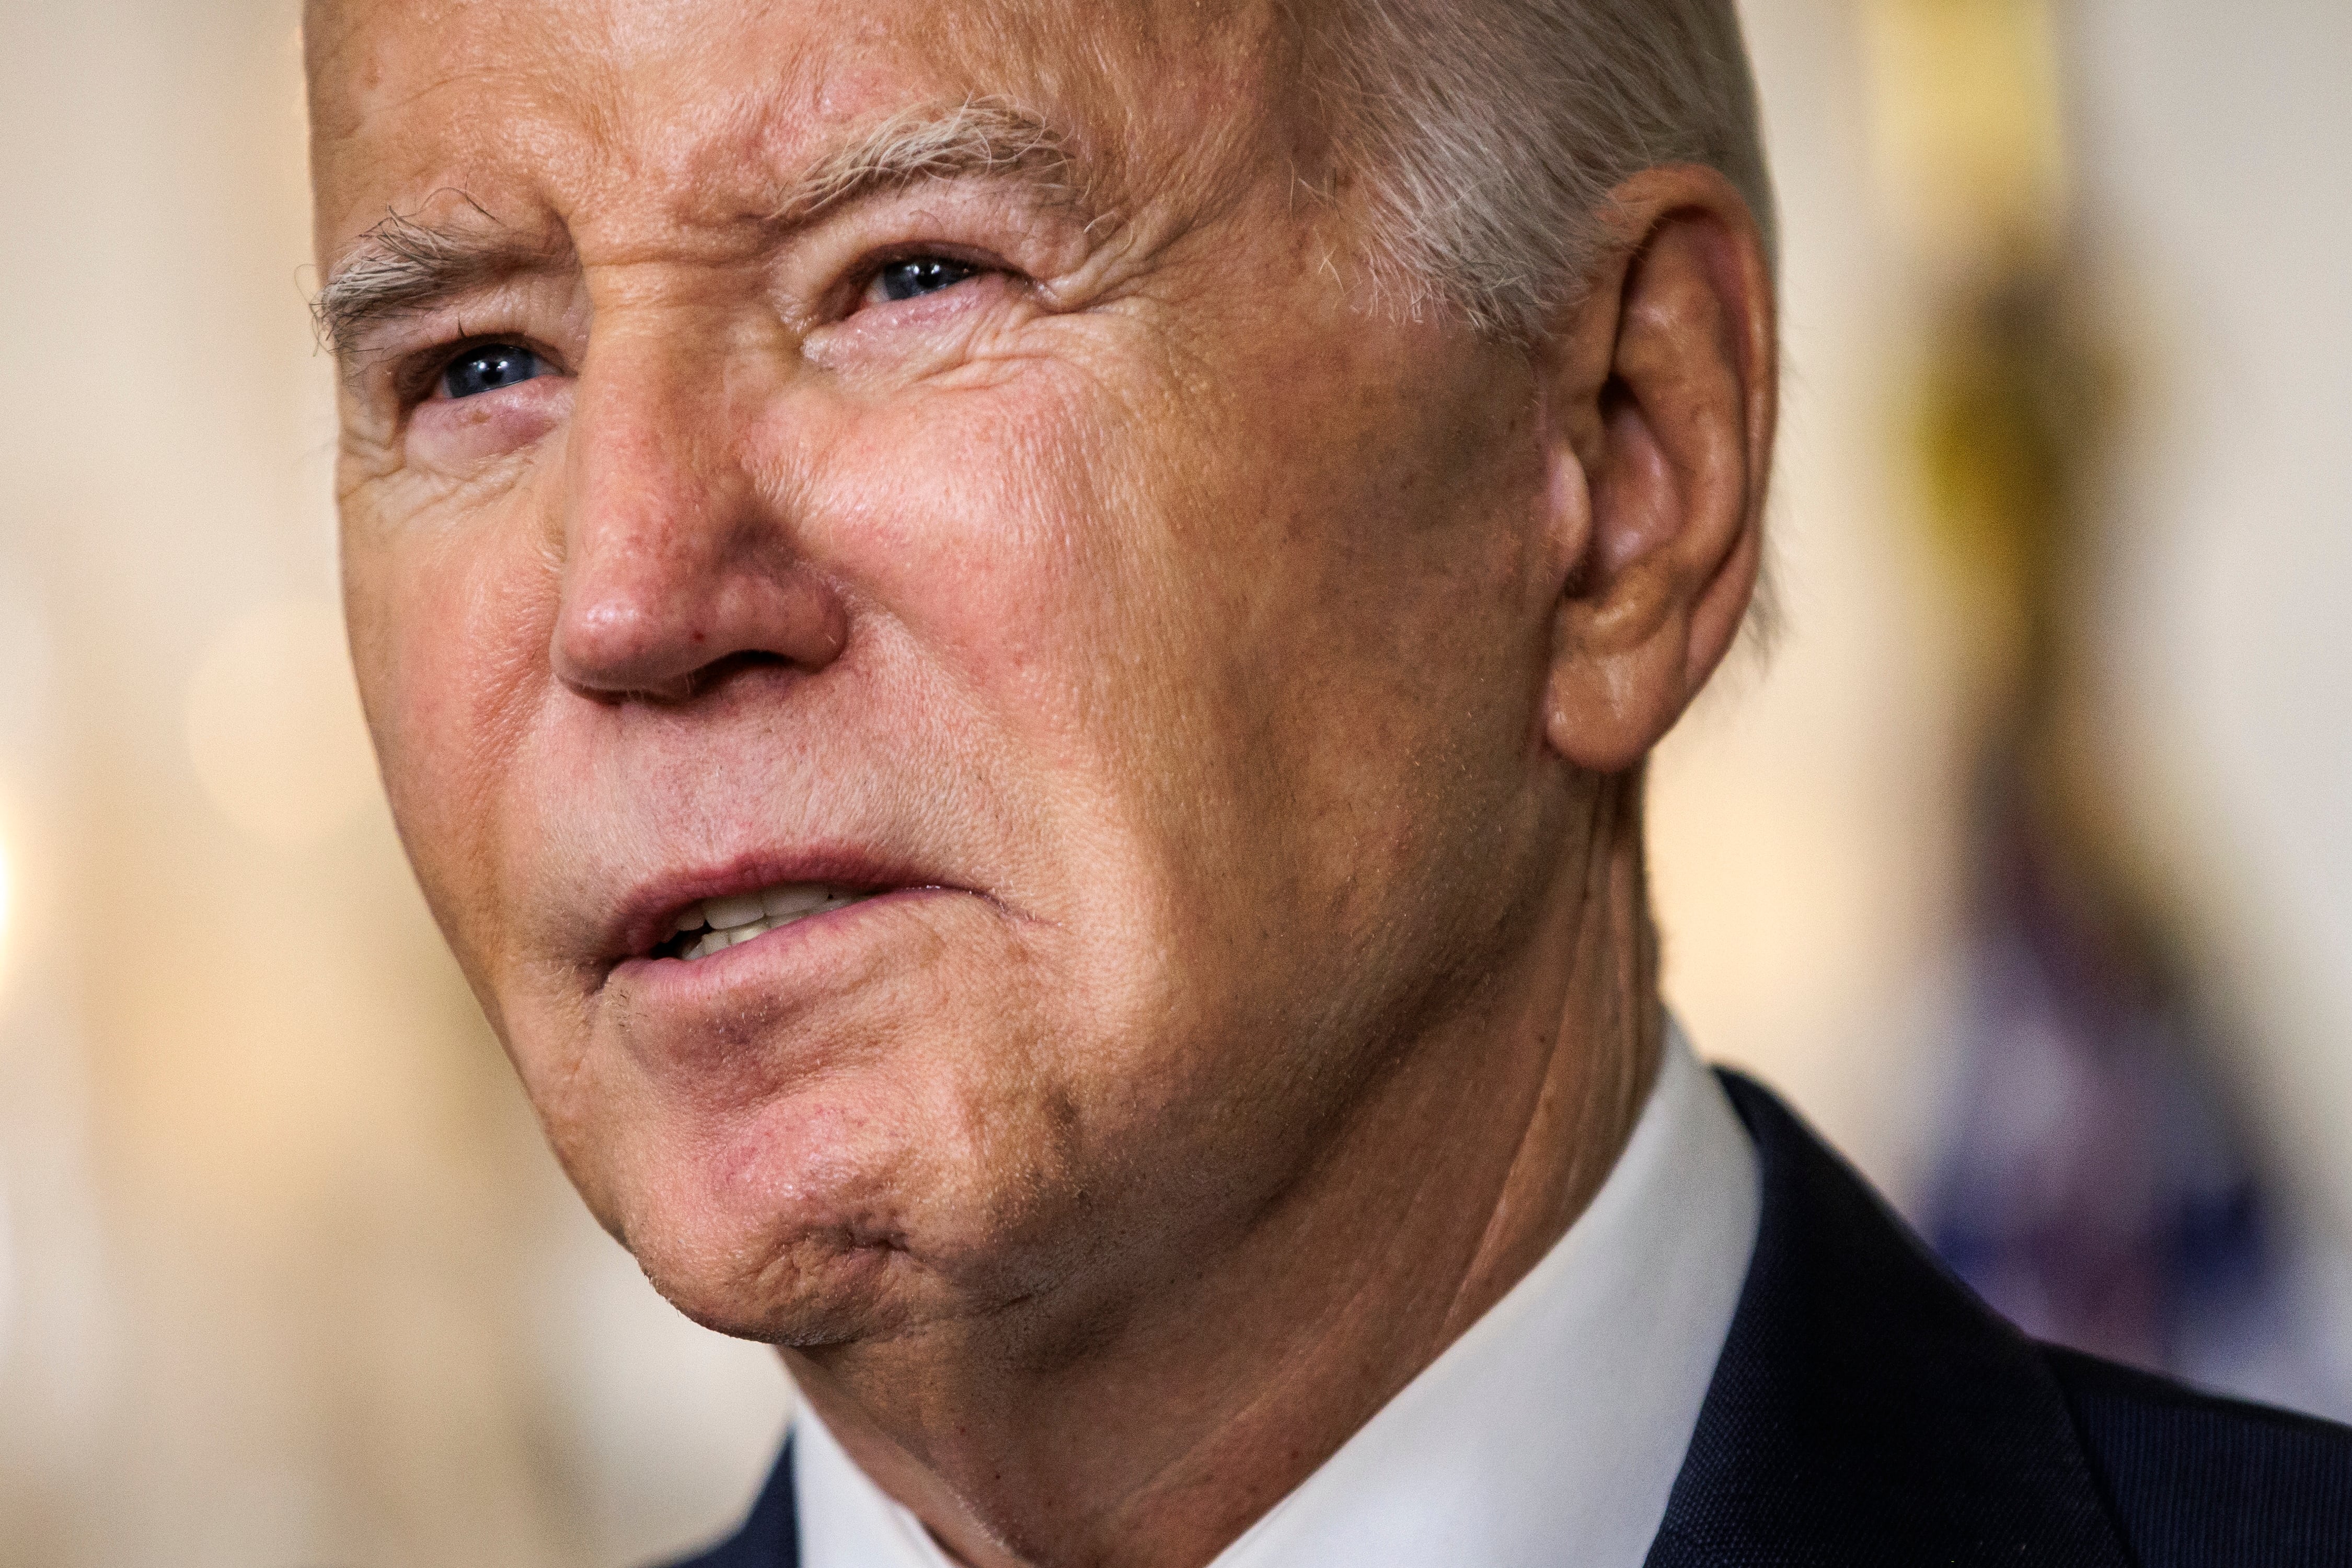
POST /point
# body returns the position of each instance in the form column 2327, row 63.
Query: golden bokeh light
column 1966, row 123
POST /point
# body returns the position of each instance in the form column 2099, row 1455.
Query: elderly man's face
column 942, row 456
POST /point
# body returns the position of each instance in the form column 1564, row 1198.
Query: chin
column 842, row 1173
column 799, row 1289
column 770, row 1252
column 794, row 1230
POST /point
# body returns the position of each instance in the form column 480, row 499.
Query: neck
column 1160, row 1439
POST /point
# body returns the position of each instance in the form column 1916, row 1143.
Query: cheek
column 448, row 629
column 971, row 523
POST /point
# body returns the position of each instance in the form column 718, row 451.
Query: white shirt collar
column 1551, row 1431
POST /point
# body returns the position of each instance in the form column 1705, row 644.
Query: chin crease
column 818, row 1288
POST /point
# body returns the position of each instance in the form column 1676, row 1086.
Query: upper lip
column 648, row 912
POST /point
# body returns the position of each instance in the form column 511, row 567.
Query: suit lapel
column 771, row 1537
column 1867, row 1408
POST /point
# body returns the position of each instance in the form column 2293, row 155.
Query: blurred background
column 2022, row 860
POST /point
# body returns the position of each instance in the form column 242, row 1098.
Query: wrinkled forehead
column 719, row 102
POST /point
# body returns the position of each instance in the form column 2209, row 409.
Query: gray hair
column 1486, row 135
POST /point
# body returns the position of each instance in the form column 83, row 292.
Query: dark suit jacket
column 1868, row 1410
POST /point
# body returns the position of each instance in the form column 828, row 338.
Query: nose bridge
column 673, row 558
column 655, row 470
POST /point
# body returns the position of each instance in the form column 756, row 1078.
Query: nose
column 678, row 561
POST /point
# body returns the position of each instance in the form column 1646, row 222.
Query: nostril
column 719, row 671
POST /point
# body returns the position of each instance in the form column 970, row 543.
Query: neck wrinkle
column 1601, row 1064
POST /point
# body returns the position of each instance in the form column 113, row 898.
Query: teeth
column 794, row 898
column 746, row 915
column 725, row 914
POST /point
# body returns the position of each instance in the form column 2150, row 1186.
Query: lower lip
column 809, row 942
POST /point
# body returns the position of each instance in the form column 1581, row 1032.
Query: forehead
column 709, row 101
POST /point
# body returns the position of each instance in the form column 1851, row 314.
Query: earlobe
column 1660, row 394
column 1621, row 685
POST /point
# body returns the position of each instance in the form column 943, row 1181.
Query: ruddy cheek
column 455, row 434
column 445, row 687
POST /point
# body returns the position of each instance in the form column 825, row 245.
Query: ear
column 1660, row 392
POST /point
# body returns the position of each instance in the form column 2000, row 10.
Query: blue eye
column 489, row 366
column 920, row 275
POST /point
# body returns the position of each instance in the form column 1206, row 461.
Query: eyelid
column 399, row 351
column 417, row 374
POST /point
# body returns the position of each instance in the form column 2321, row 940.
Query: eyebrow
column 403, row 268
column 977, row 136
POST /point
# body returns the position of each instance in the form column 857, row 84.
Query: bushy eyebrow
column 978, row 136
column 402, row 266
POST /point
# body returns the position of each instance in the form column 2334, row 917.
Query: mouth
column 714, row 925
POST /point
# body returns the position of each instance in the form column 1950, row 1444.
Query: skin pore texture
column 1236, row 686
